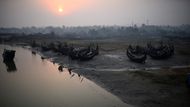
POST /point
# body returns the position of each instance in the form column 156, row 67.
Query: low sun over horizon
column 60, row 10
column 21, row 13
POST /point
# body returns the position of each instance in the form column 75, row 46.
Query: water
column 30, row 81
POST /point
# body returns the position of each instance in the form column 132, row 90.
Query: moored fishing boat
column 8, row 55
column 136, row 54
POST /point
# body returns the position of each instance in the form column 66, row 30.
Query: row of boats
column 80, row 53
column 139, row 54
column 135, row 53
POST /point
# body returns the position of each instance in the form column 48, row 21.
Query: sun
column 60, row 10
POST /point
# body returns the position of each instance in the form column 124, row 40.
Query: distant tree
column 143, row 25
column 93, row 32
column 52, row 33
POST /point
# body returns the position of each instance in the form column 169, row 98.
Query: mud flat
column 159, row 86
column 150, row 87
column 153, row 84
column 153, row 88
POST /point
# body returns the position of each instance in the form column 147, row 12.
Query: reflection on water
column 39, row 83
column 11, row 67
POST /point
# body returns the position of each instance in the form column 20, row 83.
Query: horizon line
column 72, row 26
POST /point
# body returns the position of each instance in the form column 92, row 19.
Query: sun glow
column 70, row 6
column 60, row 10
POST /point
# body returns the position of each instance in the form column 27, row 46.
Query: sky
column 41, row 13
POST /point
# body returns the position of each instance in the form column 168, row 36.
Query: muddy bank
column 116, row 61
column 153, row 84
column 161, row 87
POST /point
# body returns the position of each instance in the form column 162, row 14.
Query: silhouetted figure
column 33, row 52
column 81, row 79
column 69, row 69
column 72, row 75
column 11, row 67
column 60, row 68
column 42, row 57
column 53, row 62
column 78, row 75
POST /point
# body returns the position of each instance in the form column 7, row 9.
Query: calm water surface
column 30, row 81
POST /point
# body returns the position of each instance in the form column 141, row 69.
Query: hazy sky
column 20, row 13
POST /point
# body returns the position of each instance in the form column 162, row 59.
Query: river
column 30, row 81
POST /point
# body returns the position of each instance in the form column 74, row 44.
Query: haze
column 21, row 13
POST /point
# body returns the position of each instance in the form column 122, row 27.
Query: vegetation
column 94, row 32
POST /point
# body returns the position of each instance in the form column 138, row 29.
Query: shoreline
column 118, row 82
column 158, row 87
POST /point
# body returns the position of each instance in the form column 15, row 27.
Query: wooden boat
column 74, row 53
column 45, row 48
column 89, row 54
column 8, row 55
column 11, row 67
column 160, row 52
column 83, row 54
column 137, row 54
column 65, row 50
